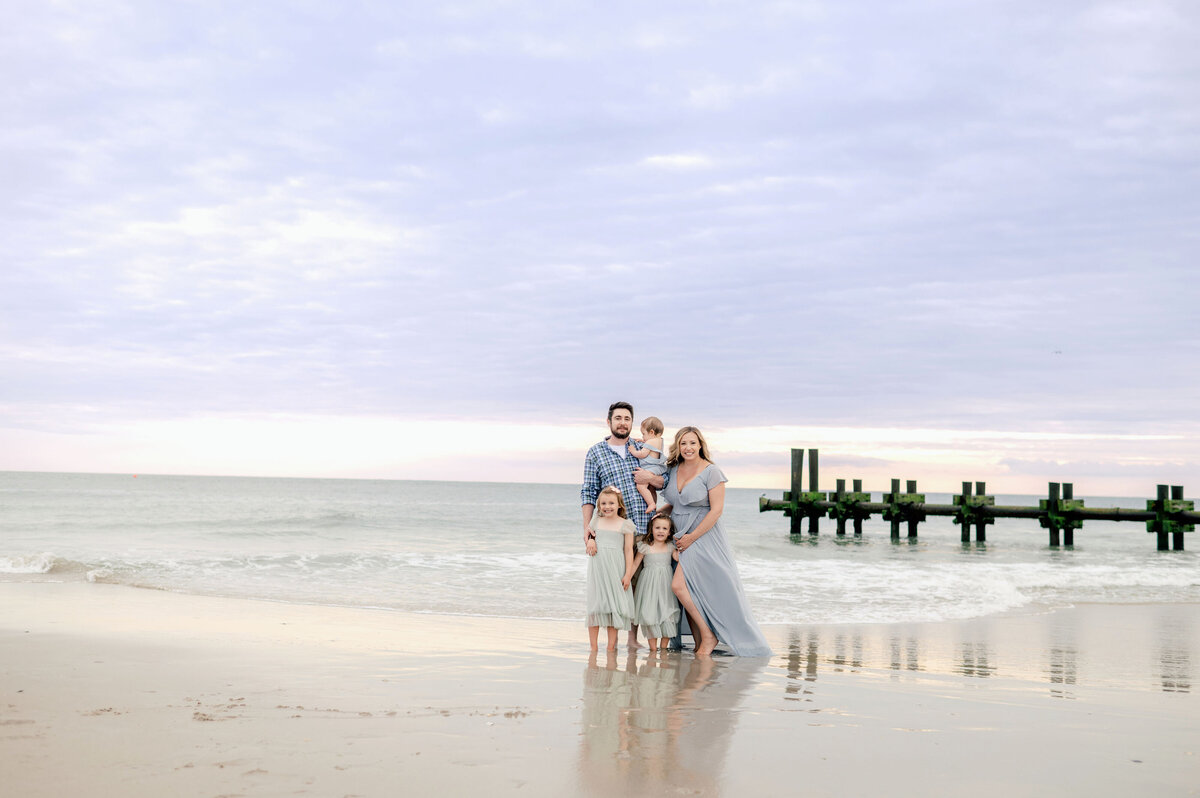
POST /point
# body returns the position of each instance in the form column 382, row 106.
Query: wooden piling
column 858, row 517
column 814, row 519
column 982, row 522
column 1051, row 506
column 1161, row 530
column 965, row 531
column 839, row 518
column 1177, row 504
column 917, row 516
column 894, row 518
column 797, row 488
column 1068, row 495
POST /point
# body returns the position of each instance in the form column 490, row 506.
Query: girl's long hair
column 648, row 538
column 620, row 501
column 674, row 458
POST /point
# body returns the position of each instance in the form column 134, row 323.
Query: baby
column 652, row 444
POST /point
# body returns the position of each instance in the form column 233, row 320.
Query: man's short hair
column 619, row 406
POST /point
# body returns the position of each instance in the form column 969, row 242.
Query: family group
column 682, row 559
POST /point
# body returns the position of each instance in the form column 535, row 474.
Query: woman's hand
column 591, row 547
column 683, row 541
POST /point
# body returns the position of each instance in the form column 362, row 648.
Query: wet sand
column 114, row 691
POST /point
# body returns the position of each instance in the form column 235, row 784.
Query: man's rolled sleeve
column 591, row 481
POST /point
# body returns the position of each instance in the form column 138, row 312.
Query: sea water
column 515, row 550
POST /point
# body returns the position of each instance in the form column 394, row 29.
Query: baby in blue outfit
column 652, row 457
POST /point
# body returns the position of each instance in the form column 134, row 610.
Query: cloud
column 678, row 161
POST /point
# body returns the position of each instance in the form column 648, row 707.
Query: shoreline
column 81, row 577
column 112, row 690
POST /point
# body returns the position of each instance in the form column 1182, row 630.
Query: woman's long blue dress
column 709, row 569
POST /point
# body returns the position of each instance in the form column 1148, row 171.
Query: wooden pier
column 1168, row 516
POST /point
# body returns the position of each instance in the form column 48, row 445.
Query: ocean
column 514, row 550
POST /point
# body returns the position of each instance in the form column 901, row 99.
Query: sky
column 937, row 241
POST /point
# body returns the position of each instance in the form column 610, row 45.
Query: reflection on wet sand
column 976, row 660
column 1065, row 652
column 1174, row 655
column 1061, row 671
column 801, row 664
column 911, row 649
column 840, row 659
column 661, row 726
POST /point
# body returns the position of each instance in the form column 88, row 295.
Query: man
column 610, row 463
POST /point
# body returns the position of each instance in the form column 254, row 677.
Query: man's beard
column 616, row 434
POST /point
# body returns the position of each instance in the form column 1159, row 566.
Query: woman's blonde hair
column 674, row 458
column 620, row 501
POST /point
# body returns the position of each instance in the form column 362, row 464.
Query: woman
column 706, row 581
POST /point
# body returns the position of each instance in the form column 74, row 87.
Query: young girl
column 656, row 609
column 651, row 455
column 609, row 568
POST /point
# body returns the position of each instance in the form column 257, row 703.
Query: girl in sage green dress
column 610, row 568
column 655, row 608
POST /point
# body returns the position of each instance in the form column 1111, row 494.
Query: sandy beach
column 116, row 691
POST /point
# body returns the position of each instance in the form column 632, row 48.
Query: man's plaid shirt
column 603, row 467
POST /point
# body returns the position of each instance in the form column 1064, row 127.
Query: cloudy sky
column 937, row 240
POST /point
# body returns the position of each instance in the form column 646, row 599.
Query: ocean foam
column 28, row 564
column 99, row 575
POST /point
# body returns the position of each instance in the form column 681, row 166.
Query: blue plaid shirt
column 603, row 467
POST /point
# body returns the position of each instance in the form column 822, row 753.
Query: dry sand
column 115, row 691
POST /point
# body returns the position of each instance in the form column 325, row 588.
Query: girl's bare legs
column 708, row 640
column 650, row 496
column 612, row 638
column 594, row 635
